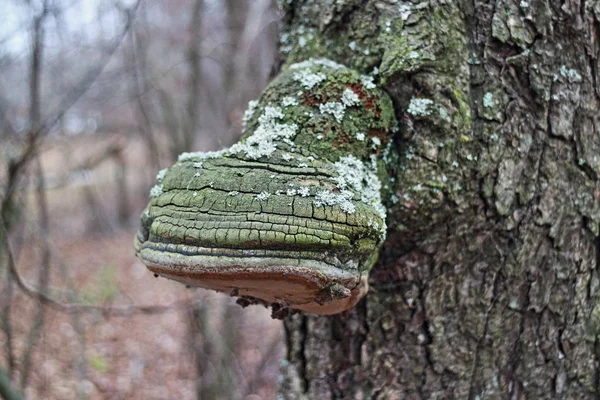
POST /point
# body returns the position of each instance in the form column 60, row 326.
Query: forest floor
column 90, row 355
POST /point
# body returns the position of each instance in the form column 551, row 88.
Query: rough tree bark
column 487, row 286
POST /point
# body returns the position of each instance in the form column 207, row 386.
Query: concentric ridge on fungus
column 292, row 213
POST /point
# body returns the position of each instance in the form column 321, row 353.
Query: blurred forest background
column 95, row 97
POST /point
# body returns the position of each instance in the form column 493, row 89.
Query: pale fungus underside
column 292, row 214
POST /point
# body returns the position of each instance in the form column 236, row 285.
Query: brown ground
column 140, row 356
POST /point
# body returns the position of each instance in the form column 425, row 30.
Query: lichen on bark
column 487, row 284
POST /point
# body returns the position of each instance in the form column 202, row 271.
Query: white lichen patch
column 201, row 155
column 376, row 142
column 233, row 193
column 571, row 74
column 287, row 157
column 419, row 107
column 156, row 191
column 263, row 196
column 304, row 191
column 308, row 79
column 197, row 165
column 349, row 98
column 340, row 182
column 334, row 108
column 353, row 177
column 372, row 224
column 312, row 62
column 360, row 136
column 444, row 113
column 363, row 180
column 373, row 162
column 289, row 101
column 284, row 40
column 262, row 141
column 161, row 175
column 387, row 151
column 252, row 104
column 367, row 81
column 342, row 199
column 283, row 37
column 488, row 100
column 405, row 11
column 269, row 114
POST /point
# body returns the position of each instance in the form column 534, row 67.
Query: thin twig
column 44, row 276
column 70, row 308
column 142, row 114
column 194, row 54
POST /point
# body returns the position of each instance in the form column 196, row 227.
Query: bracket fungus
column 292, row 214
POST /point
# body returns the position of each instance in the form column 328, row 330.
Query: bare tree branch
column 43, row 279
column 110, row 151
column 195, row 77
column 70, row 308
column 86, row 82
column 35, row 77
column 139, row 66
column 35, row 136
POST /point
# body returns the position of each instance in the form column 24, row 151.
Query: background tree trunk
column 487, row 285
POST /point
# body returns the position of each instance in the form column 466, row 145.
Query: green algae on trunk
column 292, row 214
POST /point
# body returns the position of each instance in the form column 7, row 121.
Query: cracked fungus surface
column 300, row 193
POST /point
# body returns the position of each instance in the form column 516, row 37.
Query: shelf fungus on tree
column 292, row 214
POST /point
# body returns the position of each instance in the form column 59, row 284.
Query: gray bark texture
column 487, row 285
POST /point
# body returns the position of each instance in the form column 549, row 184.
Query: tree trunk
column 487, row 285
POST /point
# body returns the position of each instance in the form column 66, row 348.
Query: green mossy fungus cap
column 292, row 213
